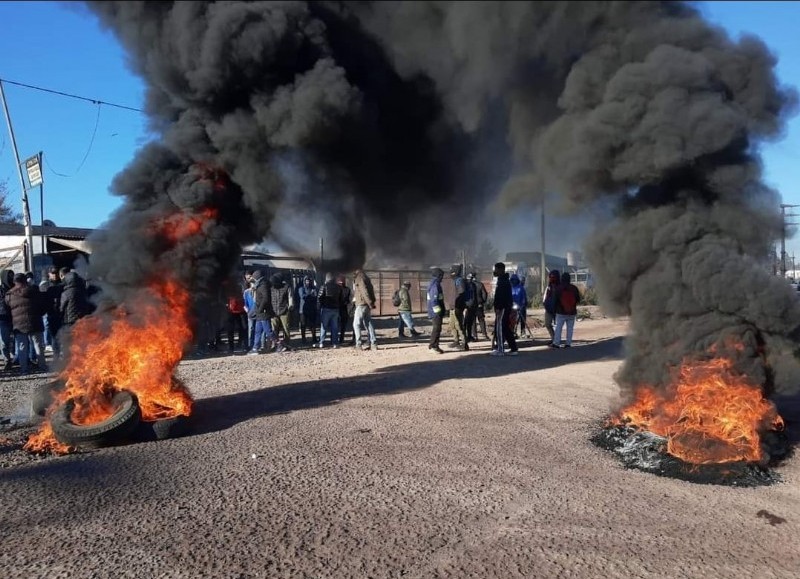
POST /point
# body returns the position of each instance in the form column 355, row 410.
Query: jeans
column 363, row 317
column 7, row 340
column 25, row 341
column 407, row 320
column 561, row 319
column 251, row 332
column 263, row 333
column 329, row 322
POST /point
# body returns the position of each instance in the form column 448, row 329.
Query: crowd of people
column 35, row 319
column 258, row 318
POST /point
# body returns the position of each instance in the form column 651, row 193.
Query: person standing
column 364, row 299
column 457, row 310
column 470, row 307
column 249, row 296
column 436, row 309
column 482, row 296
column 549, row 302
column 503, row 304
column 330, row 300
column 404, row 310
column 73, row 305
column 567, row 298
column 26, row 305
column 281, row 305
column 262, row 342
column 307, row 301
column 235, row 320
column 520, row 298
column 346, row 311
column 6, row 327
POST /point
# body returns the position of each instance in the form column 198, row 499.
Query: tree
column 7, row 214
column 487, row 253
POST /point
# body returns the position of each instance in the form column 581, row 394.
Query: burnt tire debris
column 648, row 452
column 114, row 430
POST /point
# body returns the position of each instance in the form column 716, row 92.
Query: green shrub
column 589, row 297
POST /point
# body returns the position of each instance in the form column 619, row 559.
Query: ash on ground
column 648, row 452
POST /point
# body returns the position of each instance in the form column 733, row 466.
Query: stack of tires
column 124, row 425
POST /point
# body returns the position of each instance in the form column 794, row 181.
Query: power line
column 85, row 156
column 74, row 96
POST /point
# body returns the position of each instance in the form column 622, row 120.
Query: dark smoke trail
column 373, row 116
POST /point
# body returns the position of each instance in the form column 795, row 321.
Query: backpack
column 396, row 298
column 567, row 299
column 469, row 295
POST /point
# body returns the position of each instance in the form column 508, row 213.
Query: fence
column 385, row 282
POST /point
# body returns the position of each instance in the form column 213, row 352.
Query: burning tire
column 162, row 429
column 43, row 396
column 114, row 429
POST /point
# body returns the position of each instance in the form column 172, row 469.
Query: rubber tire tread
column 43, row 396
column 174, row 427
column 110, row 431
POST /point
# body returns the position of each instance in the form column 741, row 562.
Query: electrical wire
column 74, row 96
column 85, row 156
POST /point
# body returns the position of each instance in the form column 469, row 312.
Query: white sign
column 34, row 171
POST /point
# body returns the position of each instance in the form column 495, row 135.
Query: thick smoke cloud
column 375, row 116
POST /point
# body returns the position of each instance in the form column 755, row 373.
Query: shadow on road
column 221, row 412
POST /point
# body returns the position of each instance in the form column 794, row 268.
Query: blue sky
column 61, row 46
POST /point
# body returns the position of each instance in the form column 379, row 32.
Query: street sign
column 34, row 171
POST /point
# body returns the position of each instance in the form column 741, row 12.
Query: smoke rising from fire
column 376, row 116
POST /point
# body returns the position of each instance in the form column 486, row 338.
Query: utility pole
column 26, row 211
column 784, row 215
column 543, row 276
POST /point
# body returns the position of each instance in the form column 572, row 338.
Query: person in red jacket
column 567, row 298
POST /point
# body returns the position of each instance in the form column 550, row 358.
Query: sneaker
column 252, row 353
column 465, row 348
column 415, row 333
column 335, row 346
column 554, row 346
column 497, row 353
column 567, row 345
column 512, row 353
column 436, row 349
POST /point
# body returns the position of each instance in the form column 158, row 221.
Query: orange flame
column 710, row 415
column 181, row 225
column 135, row 351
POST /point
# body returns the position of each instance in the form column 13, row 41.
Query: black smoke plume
column 374, row 116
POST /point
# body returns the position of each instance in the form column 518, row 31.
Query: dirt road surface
column 390, row 463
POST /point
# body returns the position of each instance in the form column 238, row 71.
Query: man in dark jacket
column 549, row 302
column 263, row 304
column 503, row 304
column 6, row 329
column 25, row 303
column 281, row 304
column 436, row 309
column 346, row 311
column 457, row 310
column 53, row 309
column 567, row 298
column 307, row 302
column 73, row 304
column 481, row 297
column 331, row 300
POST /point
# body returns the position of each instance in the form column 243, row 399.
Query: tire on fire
column 115, row 429
column 162, row 429
column 43, row 396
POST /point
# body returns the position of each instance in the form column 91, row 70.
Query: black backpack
column 396, row 298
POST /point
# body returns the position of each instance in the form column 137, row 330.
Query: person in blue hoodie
column 520, row 298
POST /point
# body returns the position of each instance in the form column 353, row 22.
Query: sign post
column 33, row 166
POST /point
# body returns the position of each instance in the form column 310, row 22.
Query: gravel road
column 389, row 463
